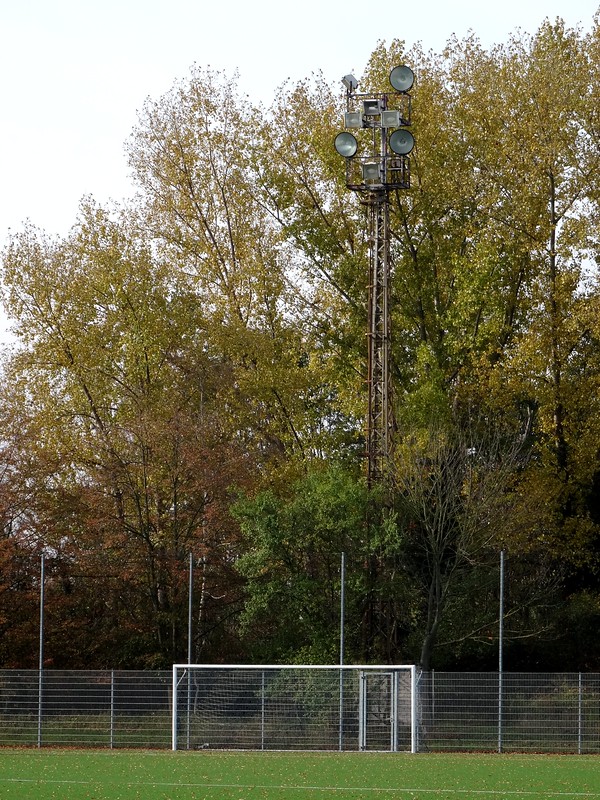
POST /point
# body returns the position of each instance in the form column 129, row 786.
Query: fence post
column 414, row 709
column 394, row 711
column 500, row 650
column 112, row 709
column 579, row 715
column 432, row 697
column 175, row 706
column 262, row 711
column 41, row 651
column 342, row 621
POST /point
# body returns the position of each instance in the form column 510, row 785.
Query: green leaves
column 292, row 562
column 211, row 336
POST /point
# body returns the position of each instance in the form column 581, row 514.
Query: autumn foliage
column 188, row 382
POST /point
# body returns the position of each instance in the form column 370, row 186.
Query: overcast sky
column 74, row 72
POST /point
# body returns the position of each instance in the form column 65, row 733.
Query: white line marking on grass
column 399, row 791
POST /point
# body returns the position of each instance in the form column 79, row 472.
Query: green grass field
column 162, row 775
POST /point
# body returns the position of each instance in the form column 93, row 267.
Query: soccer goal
column 241, row 707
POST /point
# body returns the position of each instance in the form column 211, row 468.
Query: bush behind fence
column 512, row 712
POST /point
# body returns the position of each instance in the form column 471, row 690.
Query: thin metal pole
column 112, row 709
column 342, row 606
column 414, row 725
column 579, row 715
column 174, row 702
column 41, row 650
column 189, row 652
column 394, row 711
column 190, row 599
column 262, row 710
column 342, row 645
column 500, row 650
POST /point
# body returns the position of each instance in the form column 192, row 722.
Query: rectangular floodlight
column 372, row 108
column 390, row 119
column 371, row 171
column 353, row 119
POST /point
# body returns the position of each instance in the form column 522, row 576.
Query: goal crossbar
column 307, row 707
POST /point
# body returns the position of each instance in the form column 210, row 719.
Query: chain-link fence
column 456, row 711
column 85, row 708
column 554, row 713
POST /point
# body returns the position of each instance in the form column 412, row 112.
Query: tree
column 323, row 237
column 211, row 335
column 456, row 488
column 19, row 557
column 121, row 406
column 291, row 565
column 489, row 249
column 195, row 156
column 547, row 210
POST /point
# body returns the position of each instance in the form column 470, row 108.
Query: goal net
column 294, row 707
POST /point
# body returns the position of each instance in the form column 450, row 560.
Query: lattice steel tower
column 376, row 154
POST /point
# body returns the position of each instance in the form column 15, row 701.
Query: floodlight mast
column 383, row 167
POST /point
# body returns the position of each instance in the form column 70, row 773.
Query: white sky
column 74, row 72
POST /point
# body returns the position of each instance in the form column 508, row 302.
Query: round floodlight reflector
column 402, row 142
column 402, row 78
column 345, row 144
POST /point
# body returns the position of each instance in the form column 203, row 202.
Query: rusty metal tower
column 376, row 144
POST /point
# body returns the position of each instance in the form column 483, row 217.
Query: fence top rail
column 385, row 667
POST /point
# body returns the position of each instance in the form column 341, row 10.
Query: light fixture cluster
column 378, row 169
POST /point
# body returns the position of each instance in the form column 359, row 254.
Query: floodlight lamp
column 350, row 83
column 345, row 144
column 390, row 119
column 371, row 108
column 353, row 119
column 402, row 78
column 402, row 142
column 371, row 171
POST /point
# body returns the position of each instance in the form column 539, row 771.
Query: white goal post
column 294, row 707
